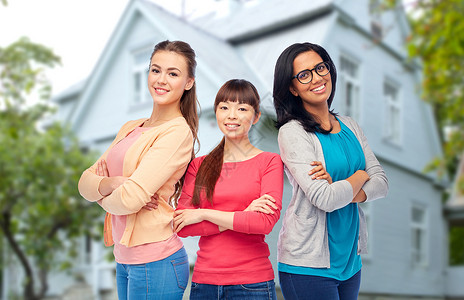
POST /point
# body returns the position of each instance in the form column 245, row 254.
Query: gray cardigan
column 303, row 238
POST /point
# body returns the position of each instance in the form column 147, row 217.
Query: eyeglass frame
column 311, row 72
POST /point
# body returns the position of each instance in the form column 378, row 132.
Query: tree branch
column 5, row 223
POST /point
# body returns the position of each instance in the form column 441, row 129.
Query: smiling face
column 235, row 119
column 168, row 78
column 315, row 93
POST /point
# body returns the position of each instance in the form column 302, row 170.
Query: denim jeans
column 295, row 286
column 160, row 280
column 253, row 291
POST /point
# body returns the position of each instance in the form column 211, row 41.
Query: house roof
column 250, row 21
column 70, row 92
column 216, row 55
column 213, row 53
column 216, row 58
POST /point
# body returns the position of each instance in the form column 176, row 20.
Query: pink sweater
column 238, row 256
column 148, row 252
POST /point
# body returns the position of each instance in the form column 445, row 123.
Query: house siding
column 390, row 268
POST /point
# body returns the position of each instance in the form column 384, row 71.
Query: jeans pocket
column 260, row 286
column 181, row 269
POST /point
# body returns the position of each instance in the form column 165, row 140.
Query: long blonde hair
column 188, row 101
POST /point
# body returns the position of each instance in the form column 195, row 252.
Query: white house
column 377, row 85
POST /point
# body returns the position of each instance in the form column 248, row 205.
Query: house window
column 141, row 62
column 350, row 83
column 393, row 122
column 418, row 236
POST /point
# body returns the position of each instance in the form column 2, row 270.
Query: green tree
column 41, row 213
column 437, row 40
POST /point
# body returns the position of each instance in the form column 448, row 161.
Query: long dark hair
column 188, row 101
column 210, row 169
column 289, row 107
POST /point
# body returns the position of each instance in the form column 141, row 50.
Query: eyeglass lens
column 306, row 76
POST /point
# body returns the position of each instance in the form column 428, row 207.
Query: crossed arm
column 297, row 147
column 223, row 219
column 189, row 220
column 167, row 156
column 356, row 180
column 109, row 184
column 231, row 211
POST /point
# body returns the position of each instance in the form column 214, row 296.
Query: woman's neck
column 239, row 150
column 330, row 123
column 161, row 114
column 322, row 116
column 326, row 121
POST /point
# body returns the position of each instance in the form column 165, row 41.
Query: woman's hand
column 153, row 204
column 264, row 204
column 186, row 217
column 108, row 184
column 102, row 169
column 357, row 181
column 361, row 195
column 319, row 172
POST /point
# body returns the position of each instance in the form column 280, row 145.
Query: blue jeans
column 252, row 291
column 163, row 279
column 295, row 286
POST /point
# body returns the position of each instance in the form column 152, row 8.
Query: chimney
column 228, row 7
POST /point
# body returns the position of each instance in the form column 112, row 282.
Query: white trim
column 393, row 125
column 140, row 69
column 419, row 255
column 353, row 80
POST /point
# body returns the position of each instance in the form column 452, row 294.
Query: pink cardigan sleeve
column 185, row 202
column 170, row 153
column 272, row 184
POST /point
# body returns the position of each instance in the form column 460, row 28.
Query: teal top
column 343, row 156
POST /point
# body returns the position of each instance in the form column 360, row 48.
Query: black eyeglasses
column 306, row 76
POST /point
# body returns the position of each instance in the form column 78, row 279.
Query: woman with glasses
column 323, row 231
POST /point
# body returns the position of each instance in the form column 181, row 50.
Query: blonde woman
column 149, row 157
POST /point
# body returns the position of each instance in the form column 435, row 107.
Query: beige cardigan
column 154, row 163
